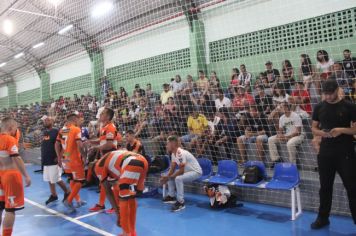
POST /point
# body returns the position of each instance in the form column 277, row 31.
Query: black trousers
column 330, row 164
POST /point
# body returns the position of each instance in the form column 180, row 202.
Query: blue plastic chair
column 262, row 168
column 286, row 177
column 207, row 169
column 227, row 172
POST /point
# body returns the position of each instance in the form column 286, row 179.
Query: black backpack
column 252, row 175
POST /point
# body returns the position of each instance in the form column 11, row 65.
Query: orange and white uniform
column 11, row 186
column 129, row 169
column 73, row 163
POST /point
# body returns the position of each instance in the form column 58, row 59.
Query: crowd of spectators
column 266, row 109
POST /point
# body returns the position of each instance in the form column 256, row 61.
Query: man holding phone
column 332, row 121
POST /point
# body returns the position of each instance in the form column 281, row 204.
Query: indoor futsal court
column 177, row 117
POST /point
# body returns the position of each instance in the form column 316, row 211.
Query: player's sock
column 102, row 196
column 74, row 192
column 71, row 184
column 132, row 208
column 6, row 231
column 125, row 220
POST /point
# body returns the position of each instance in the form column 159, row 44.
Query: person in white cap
column 51, row 171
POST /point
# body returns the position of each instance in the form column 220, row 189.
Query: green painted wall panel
column 28, row 97
column 78, row 85
column 4, row 102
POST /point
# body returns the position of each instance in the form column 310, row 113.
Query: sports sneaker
column 80, row 204
column 169, row 199
column 96, row 208
column 51, row 199
column 178, row 206
column 69, row 206
column 320, row 223
column 110, row 211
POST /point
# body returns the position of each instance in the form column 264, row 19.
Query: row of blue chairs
column 286, row 177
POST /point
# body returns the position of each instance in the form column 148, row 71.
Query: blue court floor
column 155, row 219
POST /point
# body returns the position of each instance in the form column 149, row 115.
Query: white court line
column 87, row 215
column 73, row 220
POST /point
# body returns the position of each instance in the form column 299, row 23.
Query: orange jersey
column 11, row 187
column 8, row 146
column 68, row 137
column 108, row 133
column 128, row 168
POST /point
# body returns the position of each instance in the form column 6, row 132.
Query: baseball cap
column 329, row 86
column 268, row 63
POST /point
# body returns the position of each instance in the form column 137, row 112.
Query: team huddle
column 121, row 173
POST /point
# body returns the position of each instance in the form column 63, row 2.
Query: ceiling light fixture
column 65, row 29
column 55, row 2
column 38, row 45
column 2, row 64
column 19, row 55
column 8, row 27
column 102, row 8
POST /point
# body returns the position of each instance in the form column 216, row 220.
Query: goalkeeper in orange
column 123, row 174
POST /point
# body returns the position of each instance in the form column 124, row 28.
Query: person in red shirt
column 241, row 99
column 300, row 96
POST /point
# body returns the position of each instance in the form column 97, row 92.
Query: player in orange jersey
column 123, row 174
column 11, row 169
column 107, row 142
column 72, row 151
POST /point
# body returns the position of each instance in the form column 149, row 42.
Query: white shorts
column 52, row 174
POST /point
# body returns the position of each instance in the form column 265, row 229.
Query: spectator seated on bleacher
column 142, row 114
column 341, row 77
column 221, row 100
column 165, row 128
column 256, row 130
column 245, row 78
column 197, row 125
column 166, row 93
column 226, row 132
column 300, row 98
column 290, row 132
column 263, row 101
column 241, row 99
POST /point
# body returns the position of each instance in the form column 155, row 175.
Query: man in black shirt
column 349, row 64
column 271, row 73
column 263, row 101
column 332, row 121
column 51, row 171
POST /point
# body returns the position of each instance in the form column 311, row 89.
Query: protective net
column 219, row 74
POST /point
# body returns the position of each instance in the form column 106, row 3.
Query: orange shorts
column 13, row 192
column 78, row 172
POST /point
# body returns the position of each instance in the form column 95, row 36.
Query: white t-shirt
column 325, row 67
column 176, row 87
column 187, row 159
column 224, row 103
column 291, row 123
column 280, row 99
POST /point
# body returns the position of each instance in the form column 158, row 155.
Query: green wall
column 332, row 32
column 78, row 85
column 155, row 70
column 29, row 96
column 4, row 102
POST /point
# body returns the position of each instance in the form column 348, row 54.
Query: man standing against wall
column 332, row 121
column 51, row 171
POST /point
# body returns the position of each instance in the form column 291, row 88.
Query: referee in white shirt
column 188, row 171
